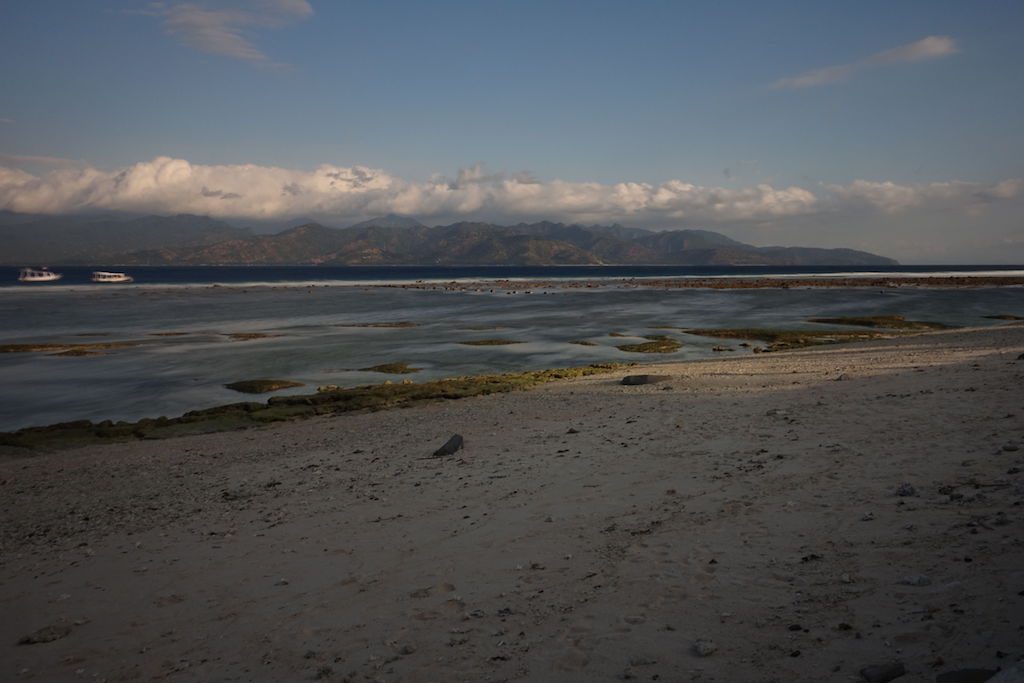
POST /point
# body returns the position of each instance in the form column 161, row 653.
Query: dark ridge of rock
column 453, row 444
column 636, row 380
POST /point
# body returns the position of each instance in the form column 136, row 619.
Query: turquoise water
column 314, row 340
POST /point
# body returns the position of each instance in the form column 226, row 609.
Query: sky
column 894, row 127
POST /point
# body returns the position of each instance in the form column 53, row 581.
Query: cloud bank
column 226, row 29
column 932, row 47
column 339, row 193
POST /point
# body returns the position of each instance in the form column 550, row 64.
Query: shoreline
column 868, row 279
column 810, row 513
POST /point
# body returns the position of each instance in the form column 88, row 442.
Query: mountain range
column 389, row 240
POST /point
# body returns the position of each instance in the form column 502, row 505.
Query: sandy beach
column 792, row 516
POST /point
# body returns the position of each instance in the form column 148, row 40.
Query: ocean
column 190, row 331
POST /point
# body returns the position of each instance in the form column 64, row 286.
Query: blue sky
column 725, row 97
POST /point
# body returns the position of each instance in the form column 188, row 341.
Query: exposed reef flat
column 657, row 343
column 71, row 349
column 891, row 322
column 748, row 518
column 880, row 282
column 490, row 342
column 241, row 415
column 262, row 386
column 391, row 369
column 781, row 340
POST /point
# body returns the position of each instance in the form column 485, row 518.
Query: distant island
column 389, row 240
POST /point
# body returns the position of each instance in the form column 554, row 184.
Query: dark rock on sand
column 905, row 490
column 47, row 634
column 883, row 673
column 635, row 380
column 453, row 444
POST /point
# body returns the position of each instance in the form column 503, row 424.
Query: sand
column 801, row 515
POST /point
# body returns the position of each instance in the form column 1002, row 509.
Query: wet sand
column 802, row 514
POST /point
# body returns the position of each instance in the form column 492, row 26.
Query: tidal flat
column 142, row 352
column 810, row 513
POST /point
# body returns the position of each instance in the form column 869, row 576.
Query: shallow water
column 315, row 343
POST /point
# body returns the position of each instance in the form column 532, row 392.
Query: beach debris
column 883, row 673
column 453, row 444
column 916, row 580
column 967, row 676
column 906, row 490
column 47, row 634
column 704, row 648
column 636, row 380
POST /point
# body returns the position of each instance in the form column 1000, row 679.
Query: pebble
column 704, row 648
column 906, row 489
column 918, row 580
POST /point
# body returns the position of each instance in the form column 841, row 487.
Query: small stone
column 573, row 430
column 917, row 580
column 281, row 582
column 453, row 444
column 883, row 673
column 1010, row 447
column 795, row 627
column 867, row 517
column 704, row 648
column 905, row 490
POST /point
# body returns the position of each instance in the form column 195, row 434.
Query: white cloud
column 336, row 194
column 226, row 29
column 890, row 197
column 932, row 47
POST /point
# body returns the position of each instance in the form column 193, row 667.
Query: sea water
column 185, row 353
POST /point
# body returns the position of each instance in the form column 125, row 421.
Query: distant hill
column 394, row 240
column 91, row 240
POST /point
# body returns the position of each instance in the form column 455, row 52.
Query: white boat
column 105, row 276
column 38, row 275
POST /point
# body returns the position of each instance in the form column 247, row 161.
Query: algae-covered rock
column 891, row 322
column 658, row 343
column 391, row 369
column 780, row 340
column 327, row 401
column 262, row 386
column 249, row 336
column 490, row 342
